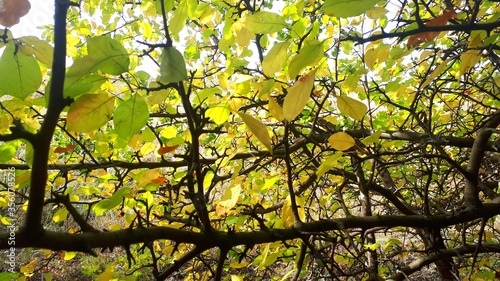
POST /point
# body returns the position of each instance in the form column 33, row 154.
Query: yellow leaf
column 275, row 109
column 470, row 57
column 287, row 212
column 231, row 196
column 238, row 265
column 147, row 176
column 275, row 58
column 371, row 247
column 258, row 129
column 370, row 57
column 108, row 273
column 351, row 107
column 298, row 95
column 243, row 36
column 60, row 215
column 69, row 255
column 236, row 278
column 341, row 141
column 264, row 254
column 218, row 114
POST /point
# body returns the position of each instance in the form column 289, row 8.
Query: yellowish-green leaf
column 219, row 114
column 287, row 212
column 21, row 75
column 179, row 18
column 341, row 141
column 42, row 50
column 238, row 265
column 275, row 109
column 371, row 247
column 328, row 163
column 308, row 55
column 298, row 96
column 89, row 112
column 351, row 107
column 373, row 138
column 274, row 59
column 264, row 22
column 108, row 54
column 376, row 13
column 351, row 81
column 258, row 129
column 437, row 71
column 348, row 8
column 130, row 116
column 172, row 66
column 60, row 215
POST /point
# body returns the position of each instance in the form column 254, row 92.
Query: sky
column 41, row 13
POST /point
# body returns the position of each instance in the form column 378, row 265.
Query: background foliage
column 245, row 140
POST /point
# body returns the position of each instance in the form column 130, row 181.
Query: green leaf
column 351, row 107
column 110, row 55
column 298, row 95
column 341, row 141
column 172, row 67
column 8, row 150
column 89, row 112
column 348, row 8
column 131, row 116
column 275, row 58
column 306, row 56
column 264, row 22
column 258, row 129
column 21, row 75
column 111, row 202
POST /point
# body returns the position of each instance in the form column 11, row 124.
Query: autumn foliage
column 251, row 140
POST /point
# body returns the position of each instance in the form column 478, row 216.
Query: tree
column 251, row 140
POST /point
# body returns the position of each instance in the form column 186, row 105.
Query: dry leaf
column 12, row 10
column 166, row 149
column 69, row 147
column 423, row 37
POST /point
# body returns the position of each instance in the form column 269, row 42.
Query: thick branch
column 43, row 138
column 85, row 241
column 471, row 193
column 458, row 27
